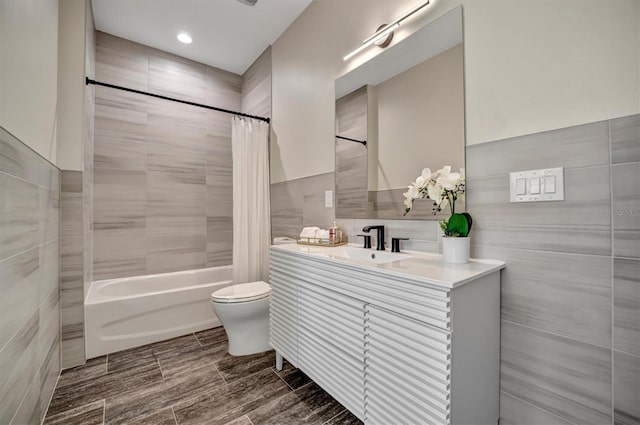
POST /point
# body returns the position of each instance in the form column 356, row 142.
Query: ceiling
column 226, row 34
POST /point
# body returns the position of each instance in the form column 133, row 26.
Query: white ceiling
column 226, row 34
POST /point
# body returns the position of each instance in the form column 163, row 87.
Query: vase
column 455, row 249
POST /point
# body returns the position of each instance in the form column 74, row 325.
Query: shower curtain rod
column 364, row 142
column 186, row 102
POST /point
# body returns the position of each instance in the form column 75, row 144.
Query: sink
column 369, row 256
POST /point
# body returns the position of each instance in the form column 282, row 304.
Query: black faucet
column 379, row 238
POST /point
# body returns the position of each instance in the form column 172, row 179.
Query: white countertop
column 429, row 268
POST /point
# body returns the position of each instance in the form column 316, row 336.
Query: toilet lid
column 242, row 292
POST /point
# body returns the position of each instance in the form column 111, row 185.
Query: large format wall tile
column 514, row 411
column 299, row 203
column 163, row 171
column 580, row 146
column 120, row 130
column 626, row 305
column 625, row 139
column 626, row 209
column 567, row 294
column 72, row 249
column 29, row 280
column 19, row 286
column 626, row 388
column 567, row 378
column 174, row 76
column 287, row 203
column 176, row 137
column 19, row 216
column 256, row 86
column 120, row 199
column 579, row 224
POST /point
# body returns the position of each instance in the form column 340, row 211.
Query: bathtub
column 133, row 311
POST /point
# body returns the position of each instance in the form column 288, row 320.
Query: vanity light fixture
column 185, row 38
column 384, row 31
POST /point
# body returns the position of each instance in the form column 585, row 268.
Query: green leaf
column 459, row 225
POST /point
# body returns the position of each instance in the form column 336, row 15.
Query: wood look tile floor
column 190, row 380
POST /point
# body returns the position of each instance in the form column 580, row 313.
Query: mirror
column 396, row 114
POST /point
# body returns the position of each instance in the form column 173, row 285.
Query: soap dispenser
column 333, row 233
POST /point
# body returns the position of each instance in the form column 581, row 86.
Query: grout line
column 215, row 366
column 281, row 378
column 160, row 367
column 611, row 217
column 501, row 247
column 198, row 339
column 250, row 421
column 333, row 417
column 106, row 365
column 174, row 415
column 104, row 411
column 537, row 407
column 555, row 334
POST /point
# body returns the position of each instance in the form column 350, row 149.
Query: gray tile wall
column 256, row 86
column 72, row 264
column 162, row 171
column 29, row 282
column 352, row 196
column 570, row 292
column 299, row 203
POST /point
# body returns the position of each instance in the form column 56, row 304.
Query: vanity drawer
column 335, row 317
column 334, row 370
column 407, row 370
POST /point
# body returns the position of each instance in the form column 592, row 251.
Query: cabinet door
column 331, row 344
column 283, row 315
column 407, row 370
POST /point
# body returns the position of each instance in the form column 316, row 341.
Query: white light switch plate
column 328, row 198
column 540, row 185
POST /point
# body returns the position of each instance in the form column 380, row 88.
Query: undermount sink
column 370, row 256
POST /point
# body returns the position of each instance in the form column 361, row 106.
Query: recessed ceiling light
column 185, row 38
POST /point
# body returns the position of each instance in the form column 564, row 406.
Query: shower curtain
column 251, row 217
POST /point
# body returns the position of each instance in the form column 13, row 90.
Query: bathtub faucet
column 379, row 238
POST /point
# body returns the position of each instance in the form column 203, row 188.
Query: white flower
column 423, row 178
column 449, row 181
column 435, row 192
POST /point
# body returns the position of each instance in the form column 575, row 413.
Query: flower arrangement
column 444, row 188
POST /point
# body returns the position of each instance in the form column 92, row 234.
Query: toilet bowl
column 243, row 310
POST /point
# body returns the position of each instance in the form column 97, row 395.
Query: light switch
column 550, row 184
column 328, row 198
column 535, row 185
column 521, row 186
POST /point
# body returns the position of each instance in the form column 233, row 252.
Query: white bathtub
column 130, row 312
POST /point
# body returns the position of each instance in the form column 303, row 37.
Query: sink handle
column 395, row 244
column 367, row 241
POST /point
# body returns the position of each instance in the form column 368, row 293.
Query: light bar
column 383, row 32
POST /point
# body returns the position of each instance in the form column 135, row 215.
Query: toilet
column 243, row 310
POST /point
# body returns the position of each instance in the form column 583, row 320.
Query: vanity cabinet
column 393, row 346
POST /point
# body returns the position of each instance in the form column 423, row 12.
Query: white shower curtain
column 251, row 218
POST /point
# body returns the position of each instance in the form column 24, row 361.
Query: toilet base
column 246, row 324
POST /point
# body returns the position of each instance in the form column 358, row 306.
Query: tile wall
column 571, row 289
column 76, row 239
column 299, row 203
column 72, row 249
column 29, row 282
column 162, row 170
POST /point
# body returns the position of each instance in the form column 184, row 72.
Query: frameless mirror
column 396, row 114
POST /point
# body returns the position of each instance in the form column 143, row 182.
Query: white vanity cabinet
column 407, row 342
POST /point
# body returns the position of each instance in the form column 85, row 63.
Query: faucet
column 379, row 238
